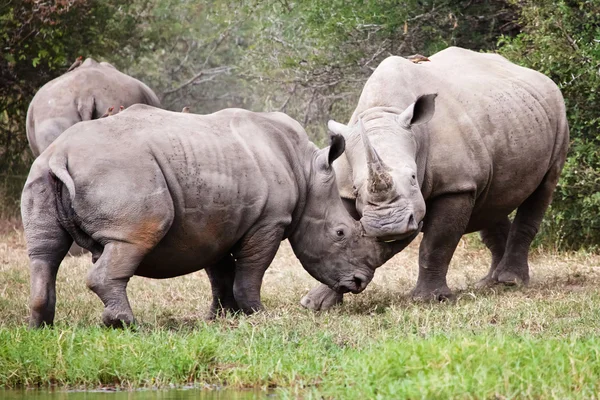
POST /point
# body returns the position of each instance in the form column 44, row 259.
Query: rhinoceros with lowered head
column 452, row 146
column 160, row 194
column 82, row 94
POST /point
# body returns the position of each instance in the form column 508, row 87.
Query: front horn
column 379, row 180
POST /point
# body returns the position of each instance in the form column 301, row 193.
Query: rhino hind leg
column 321, row 298
column 222, row 276
column 47, row 245
column 44, row 268
column 108, row 278
column 445, row 223
column 495, row 238
column 514, row 268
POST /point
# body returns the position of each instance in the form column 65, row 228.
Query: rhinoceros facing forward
column 496, row 142
column 161, row 194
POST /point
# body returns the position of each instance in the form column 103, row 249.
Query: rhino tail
column 58, row 168
column 67, row 217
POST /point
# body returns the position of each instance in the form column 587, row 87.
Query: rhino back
column 223, row 174
column 496, row 125
column 80, row 95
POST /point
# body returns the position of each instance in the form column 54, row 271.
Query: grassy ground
column 538, row 342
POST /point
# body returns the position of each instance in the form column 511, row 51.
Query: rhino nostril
column 411, row 221
column 358, row 281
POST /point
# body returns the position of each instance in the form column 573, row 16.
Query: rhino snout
column 391, row 227
column 355, row 284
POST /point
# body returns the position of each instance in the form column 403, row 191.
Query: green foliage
column 562, row 40
column 39, row 41
column 309, row 59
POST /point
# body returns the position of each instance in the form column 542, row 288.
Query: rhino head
column 379, row 175
column 328, row 241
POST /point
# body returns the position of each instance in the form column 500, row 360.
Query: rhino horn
column 379, row 180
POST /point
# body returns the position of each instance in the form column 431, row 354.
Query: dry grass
column 295, row 349
column 183, row 300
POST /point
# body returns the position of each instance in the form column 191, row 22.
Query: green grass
column 535, row 342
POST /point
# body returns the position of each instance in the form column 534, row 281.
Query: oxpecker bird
column 108, row 112
column 76, row 64
column 417, row 58
column 186, row 109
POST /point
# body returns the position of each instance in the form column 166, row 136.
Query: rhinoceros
column 453, row 145
column 160, row 194
column 82, row 94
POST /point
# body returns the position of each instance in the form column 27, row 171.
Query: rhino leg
column 44, row 268
column 445, row 223
column 494, row 238
column 47, row 245
column 256, row 251
column 514, row 269
column 108, row 278
column 321, row 298
column 222, row 276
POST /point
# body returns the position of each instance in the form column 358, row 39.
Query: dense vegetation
column 307, row 58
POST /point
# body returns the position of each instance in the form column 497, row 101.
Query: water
column 172, row 394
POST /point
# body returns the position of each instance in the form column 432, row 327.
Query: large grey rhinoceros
column 80, row 95
column 160, row 194
column 496, row 142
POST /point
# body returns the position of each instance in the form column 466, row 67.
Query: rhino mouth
column 403, row 236
column 355, row 284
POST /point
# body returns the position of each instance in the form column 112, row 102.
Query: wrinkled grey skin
column 493, row 140
column 160, row 194
column 82, row 94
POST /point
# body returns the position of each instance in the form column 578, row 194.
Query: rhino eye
column 413, row 176
column 339, row 233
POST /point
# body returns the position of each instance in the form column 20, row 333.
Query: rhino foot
column 423, row 293
column 511, row 278
column 321, row 298
column 507, row 278
column 486, row 282
column 117, row 319
column 219, row 311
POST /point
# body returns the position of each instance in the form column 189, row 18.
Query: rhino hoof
column 118, row 320
column 307, row 303
column 510, row 278
column 486, row 283
column 438, row 294
column 321, row 298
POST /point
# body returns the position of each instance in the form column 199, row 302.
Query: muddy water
column 173, row 394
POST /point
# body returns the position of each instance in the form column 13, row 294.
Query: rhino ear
column 418, row 112
column 337, row 128
column 336, row 147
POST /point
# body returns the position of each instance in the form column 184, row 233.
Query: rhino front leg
column 514, row 268
column 321, row 298
column 255, row 254
column 494, row 238
column 108, row 278
column 222, row 277
column 445, row 223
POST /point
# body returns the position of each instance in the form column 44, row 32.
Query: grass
column 535, row 342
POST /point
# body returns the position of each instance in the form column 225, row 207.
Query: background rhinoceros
column 496, row 142
column 82, row 94
column 160, row 194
